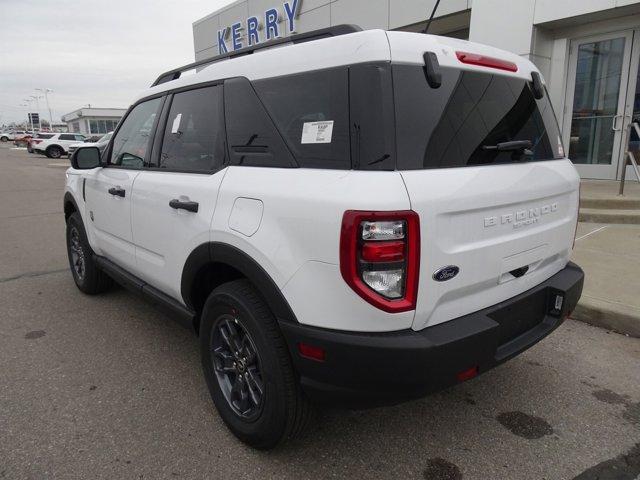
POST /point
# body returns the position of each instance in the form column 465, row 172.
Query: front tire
column 54, row 152
column 248, row 370
column 86, row 273
column 4, row 139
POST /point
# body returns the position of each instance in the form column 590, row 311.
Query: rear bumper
column 362, row 369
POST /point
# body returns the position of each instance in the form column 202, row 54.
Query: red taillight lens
column 484, row 61
column 36, row 141
column 379, row 257
column 392, row 251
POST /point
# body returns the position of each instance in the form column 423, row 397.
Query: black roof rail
column 334, row 31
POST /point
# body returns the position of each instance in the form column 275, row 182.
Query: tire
column 4, row 139
column 86, row 274
column 54, row 152
column 282, row 411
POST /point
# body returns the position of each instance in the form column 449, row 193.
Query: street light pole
column 46, row 99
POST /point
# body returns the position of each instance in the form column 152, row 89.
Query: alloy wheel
column 236, row 365
column 77, row 253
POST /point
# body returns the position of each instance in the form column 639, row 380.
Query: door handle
column 184, row 205
column 615, row 123
column 117, row 191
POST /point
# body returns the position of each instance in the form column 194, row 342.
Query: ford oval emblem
column 445, row 273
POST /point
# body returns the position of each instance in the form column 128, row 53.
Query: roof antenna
column 433, row 12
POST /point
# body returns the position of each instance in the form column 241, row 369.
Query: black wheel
column 54, row 152
column 4, row 139
column 248, row 370
column 88, row 277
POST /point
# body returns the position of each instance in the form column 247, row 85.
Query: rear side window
column 131, row 143
column 460, row 123
column 311, row 111
column 253, row 139
column 194, row 134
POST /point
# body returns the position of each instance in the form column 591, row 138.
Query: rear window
column 44, row 135
column 457, row 124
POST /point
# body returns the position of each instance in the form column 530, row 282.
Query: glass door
column 596, row 97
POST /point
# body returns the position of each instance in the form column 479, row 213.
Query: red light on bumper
column 467, row 374
column 484, row 61
column 311, row 352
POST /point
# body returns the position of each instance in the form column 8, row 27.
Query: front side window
column 462, row 122
column 311, row 111
column 194, row 134
column 131, row 143
column 66, row 136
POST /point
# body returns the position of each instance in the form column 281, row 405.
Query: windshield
column 463, row 122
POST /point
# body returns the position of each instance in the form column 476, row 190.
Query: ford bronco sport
column 359, row 217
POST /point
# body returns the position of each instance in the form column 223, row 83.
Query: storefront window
column 102, row 126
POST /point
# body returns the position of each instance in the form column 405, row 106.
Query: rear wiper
column 523, row 146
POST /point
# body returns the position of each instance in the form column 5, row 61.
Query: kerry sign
column 258, row 29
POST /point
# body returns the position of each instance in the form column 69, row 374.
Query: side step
column 171, row 307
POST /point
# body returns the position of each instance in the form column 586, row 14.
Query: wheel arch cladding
column 212, row 264
column 70, row 205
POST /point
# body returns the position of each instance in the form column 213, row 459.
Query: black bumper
column 362, row 369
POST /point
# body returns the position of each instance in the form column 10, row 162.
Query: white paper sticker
column 176, row 123
column 560, row 148
column 317, row 132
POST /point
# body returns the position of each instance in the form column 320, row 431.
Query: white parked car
column 360, row 217
column 101, row 143
column 11, row 135
column 58, row 144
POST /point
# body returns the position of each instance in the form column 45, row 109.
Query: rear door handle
column 117, row 191
column 184, row 205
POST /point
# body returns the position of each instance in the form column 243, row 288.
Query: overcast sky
column 94, row 52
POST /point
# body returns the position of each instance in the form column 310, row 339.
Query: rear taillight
column 484, row 61
column 36, row 141
column 379, row 257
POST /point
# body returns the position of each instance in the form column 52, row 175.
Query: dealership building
column 587, row 50
column 93, row 121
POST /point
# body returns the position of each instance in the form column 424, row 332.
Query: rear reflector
column 484, row 61
column 311, row 352
column 467, row 374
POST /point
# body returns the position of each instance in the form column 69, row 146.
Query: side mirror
column 85, row 158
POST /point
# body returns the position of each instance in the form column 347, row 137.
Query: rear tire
column 54, row 152
column 4, row 139
column 86, row 273
column 273, row 407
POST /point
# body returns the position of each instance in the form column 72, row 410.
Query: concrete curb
column 610, row 316
column 595, row 215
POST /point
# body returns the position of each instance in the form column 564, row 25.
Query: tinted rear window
column 450, row 126
column 311, row 111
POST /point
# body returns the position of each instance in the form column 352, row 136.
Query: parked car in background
column 37, row 139
column 10, row 135
column 58, row 144
column 101, row 142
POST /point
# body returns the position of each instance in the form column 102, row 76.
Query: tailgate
column 506, row 227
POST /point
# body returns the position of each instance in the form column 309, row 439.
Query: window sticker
column 317, row 132
column 176, row 123
column 560, row 148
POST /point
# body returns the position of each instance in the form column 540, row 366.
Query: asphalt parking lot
column 108, row 387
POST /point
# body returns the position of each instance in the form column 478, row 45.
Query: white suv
column 58, row 144
column 358, row 217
